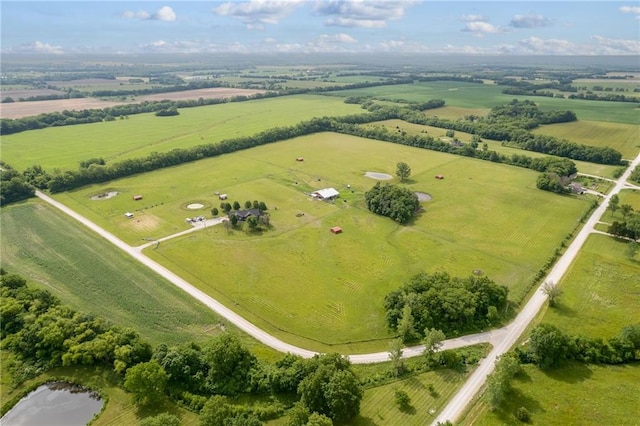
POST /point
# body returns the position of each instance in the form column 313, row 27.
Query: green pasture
column 437, row 132
column 321, row 290
column 622, row 137
column 86, row 272
column 471, row 95
column 141, row 134
column 577, row 395
column 601, row 291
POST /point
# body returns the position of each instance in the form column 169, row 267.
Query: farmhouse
column 242, row 215
column 326, row 194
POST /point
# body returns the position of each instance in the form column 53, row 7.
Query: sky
column 323, row 26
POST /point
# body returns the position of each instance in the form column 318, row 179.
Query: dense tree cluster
column 13, row 185
column 395, row 202
column 635, row 175
column 451, row 304
column 629, row 226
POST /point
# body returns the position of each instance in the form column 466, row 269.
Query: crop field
column 437, row 132
column 312, row 287
column 580, row 395
column 601, row 291
column 471, row 95
column 622, row 137
column 141, row 134
column 91, row 275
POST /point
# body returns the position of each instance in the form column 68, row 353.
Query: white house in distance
column 326, row 194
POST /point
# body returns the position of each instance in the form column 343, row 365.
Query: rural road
column 457, row 404
column 502, row 339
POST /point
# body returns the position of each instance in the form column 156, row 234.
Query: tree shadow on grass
column 413, row 383
column 564, row 310
column 516, row 399
column 367, row 421
column 569, row 373
column 409, row 409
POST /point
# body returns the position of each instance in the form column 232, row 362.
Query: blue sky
column 401, row 26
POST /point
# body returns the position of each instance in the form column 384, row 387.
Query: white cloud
column 165, row 13
column 538, row 46
column 634, row 10
column 529, row 21
column 38, row 47
column 474, row 18
column 480, row 28
column 256, row 13
column 362, row 13
column 608, row 46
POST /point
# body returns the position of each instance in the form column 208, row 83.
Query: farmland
column 90, row 275
column 141, row 134
column 471, row 95
column 283, row 279
column 601, row 293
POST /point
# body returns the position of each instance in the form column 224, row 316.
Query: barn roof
column 327, row 193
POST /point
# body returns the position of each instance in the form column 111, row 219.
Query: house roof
column 327, row 193
column 243, row 214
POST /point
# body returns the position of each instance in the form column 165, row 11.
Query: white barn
column 326, row 194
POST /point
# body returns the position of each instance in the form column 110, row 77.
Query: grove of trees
column 395, row 202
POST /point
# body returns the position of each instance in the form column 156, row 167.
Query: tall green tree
column 147, row 382
column 395, row 356
column 229, row 365
column 403, row 171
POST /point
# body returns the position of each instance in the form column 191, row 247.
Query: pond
column 55, row 403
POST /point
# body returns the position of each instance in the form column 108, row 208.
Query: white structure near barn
column 326, row 194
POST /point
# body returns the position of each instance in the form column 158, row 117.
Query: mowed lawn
column 601, row 291
column 302, row 282
column 622, row 137
column 89, row 274
column 478, row 96
column 141, row 134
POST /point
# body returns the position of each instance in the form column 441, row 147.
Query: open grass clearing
column 284, row 279
column 437, row 132
column 601, row 291
column 118, row 408
column 580, row 395
column 472, row 95
column 141, row 134
column 622, row 137
column 86, row 272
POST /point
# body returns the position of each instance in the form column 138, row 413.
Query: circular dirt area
column 195, row 206
column 423, row 196
column 378, row 176
column 104, row 195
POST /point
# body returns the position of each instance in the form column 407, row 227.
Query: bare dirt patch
column 27, row 93
column 423, row 196
column 104, row 195
column 213, row 93
column 195, row 206
column 378, row 176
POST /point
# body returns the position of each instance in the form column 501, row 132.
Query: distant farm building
column 128, row 215
column 137, row 197
column 326, row 194
column 439, row 177
column 336, row 230
column 299, row 159
column 243, row 215
column 222, row 196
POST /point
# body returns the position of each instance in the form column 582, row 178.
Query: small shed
column 137, row 197
column 439, row 177
column 326, row 194
column 299, row 158
column 128, row 215
column 336, row 230
column 222, row 196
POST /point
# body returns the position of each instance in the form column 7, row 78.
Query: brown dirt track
column 27, row 109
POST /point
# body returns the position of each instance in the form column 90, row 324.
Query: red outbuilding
column 336, row 230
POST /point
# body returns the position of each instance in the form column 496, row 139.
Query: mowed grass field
column 578, row 395
column 601, row 291
column 474, row 96
column 326, row 291
column 601, row 295
column 88, row 273
column 141, row 134
column 622, row 137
